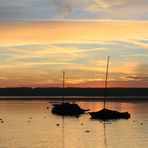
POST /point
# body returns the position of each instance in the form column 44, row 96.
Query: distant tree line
column 27, row 91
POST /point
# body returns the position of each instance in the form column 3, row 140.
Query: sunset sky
column 41, row 38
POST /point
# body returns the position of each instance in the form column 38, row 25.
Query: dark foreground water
column 28, row 124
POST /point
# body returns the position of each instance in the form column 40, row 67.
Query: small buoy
column 47, row 107
column 58, row 124
column 87, row 131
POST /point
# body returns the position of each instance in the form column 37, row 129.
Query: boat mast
column 63, row 102
column 63, row 84
column 106, row 78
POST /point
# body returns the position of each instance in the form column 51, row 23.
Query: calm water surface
column 41, row 130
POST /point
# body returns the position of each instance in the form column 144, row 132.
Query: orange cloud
column 34, row 32
column 18, row 70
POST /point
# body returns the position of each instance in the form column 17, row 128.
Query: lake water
column 28, row 124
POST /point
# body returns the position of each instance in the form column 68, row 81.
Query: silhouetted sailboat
column 106, row 114
column 66, row 108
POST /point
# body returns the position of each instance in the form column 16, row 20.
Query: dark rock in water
column 2, row 121
column 47, row 107
column 106, row 114
column 58, row 124
column 81, row 123
column 67, row 109
column 87, row 131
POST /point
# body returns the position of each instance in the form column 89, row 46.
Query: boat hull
column 106, row 114
column 67, row 109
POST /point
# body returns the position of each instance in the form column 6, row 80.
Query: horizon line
column 69, row 87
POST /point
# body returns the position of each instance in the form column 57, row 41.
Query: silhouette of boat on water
column 66, row 108
column 106, row 114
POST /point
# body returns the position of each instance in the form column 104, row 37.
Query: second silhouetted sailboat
column 106, row 114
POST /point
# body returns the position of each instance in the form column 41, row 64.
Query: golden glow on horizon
column 38, row 48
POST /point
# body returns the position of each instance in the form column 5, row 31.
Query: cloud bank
column 73, row 9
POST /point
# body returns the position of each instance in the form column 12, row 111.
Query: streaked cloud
column 137, row 78
column 73, row 9
column 41, row 38
column 35, row 32
column 98, row 5
column 34, row 53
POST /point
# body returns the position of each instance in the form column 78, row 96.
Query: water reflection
column 63, row 131
column 105, row 135
column 44, row 132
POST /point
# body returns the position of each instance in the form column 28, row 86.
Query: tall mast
column 106, row 78
column 63, row 85
column 63, row 102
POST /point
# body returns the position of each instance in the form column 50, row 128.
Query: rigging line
column 63, row 85
column 63, row 135
column 106, row 78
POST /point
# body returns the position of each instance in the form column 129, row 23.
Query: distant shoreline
column 27, row 92
column 54, row 99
